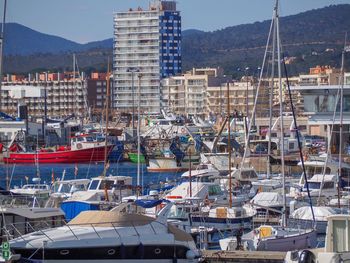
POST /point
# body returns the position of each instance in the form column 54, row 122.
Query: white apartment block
column 63, row 97
column 146, row 49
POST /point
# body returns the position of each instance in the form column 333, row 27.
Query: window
column 94, row 185
column 291, row 145
column 328, row 185
column 248, row 174
column 106, row 185
column 313, row 185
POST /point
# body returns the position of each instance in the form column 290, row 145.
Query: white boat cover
column 321, row 213
column 268, row 199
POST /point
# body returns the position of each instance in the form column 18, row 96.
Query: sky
column 92, row 20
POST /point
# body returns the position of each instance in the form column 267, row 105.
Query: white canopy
column 268, row 199
column 321, row 213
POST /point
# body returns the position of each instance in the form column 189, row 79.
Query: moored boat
column 82, row 149
column 106, row 236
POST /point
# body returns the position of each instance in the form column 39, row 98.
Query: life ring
column 79, row 146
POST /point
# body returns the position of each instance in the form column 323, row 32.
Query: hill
column 306, row 36
column 313, row 37
column 22, row 41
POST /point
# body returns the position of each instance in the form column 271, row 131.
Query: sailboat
column 276, row 238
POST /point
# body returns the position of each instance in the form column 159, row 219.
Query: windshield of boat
column 313, row 185
column 214, row 190
column 89, row 139
column 65, row 188
column 249, row 174
column 35, row 186
column 106, row 184
column 94, row 184
column 78, row 187
column 312, row 170
column 177, row 212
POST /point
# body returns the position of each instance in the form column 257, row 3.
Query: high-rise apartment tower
column 147, row 48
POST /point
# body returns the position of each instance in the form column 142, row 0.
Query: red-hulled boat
column 83, row 149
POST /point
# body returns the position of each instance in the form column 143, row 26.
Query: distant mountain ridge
column 305, row 36
column 22, row 40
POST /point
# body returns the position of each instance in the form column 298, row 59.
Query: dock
column 213, row 256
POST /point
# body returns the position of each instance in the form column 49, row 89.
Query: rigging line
column 13, row 171
column 298, row 139
column 257, row 94
column 338, row 100
column 329, row 143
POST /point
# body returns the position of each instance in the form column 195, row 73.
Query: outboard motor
column 306, row 256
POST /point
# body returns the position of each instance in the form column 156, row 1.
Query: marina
column 146, row 162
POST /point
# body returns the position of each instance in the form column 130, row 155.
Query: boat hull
column 96, row 154
column 169, row 164
column 303, row 241
column 127, row 253
column 223, row 223
column 134, row 159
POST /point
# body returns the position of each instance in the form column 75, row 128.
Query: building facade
column 189, row 94
column 65, row 94
column 97, row 91
column 147, row 48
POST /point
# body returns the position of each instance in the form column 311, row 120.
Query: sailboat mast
column 341, row 119
column 138, row 132
column 284, row 223
column 2, row 47
column 107, row 118
column 229, row 145
column 73, row 97
column 271, row 92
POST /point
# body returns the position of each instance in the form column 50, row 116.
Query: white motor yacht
column 37, row 190
column 106, row 236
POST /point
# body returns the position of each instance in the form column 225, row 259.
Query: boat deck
column 243, row 256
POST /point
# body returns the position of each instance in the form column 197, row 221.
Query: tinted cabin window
column 248, row 174
column 106, row 185
column 328, row 185
column 93, row 185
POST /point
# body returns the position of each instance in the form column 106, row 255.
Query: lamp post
column 133, row 70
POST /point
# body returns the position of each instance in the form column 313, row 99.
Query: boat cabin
column 245, row 175
column 327, row 184
column 66, row 188
column 37, row 190
column 85, row 142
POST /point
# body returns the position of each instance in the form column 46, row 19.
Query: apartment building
column 97, row 91
column 189, row 93
column 64, row 94
column 147, row 48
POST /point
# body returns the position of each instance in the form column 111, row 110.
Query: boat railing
column 12, row 201
column 96, row 226
column 20, row 230
column 301, row 224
